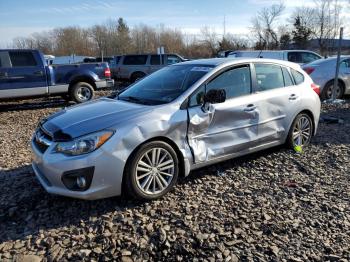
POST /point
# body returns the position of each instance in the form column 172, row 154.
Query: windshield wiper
column 133, row 99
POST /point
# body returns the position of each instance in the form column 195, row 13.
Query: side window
column 173, row 59
column 236, row 82
column 298, row 77
column 4, row 59
column 294, row 57
column 345, row 64
column 135, row 60
column 268, row 77
column 155, row 59
column 308, row 57
column 287, row 78
column 22, row 58
column 197, row 98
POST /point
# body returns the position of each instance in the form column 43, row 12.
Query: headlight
column 85, row 144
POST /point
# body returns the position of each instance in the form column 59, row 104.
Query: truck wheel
column 81, row 92
column 137, row 76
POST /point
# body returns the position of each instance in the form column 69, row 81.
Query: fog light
column 78, row 179
column 81, row 182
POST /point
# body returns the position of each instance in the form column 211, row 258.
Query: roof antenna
column 259, row 54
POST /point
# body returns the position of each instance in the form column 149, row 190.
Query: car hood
column 90, row 117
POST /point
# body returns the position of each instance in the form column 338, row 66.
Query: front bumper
column 107, row 178
column 105, row 83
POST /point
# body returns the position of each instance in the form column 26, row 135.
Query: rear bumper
column 105, row 83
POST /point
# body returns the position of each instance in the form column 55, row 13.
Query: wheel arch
column 161, row 139
column 84, row 79
column 137, row 72
column 311, row 115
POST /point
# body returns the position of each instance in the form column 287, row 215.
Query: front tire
column 152, row 172
column 81, row 92
column 301, row 131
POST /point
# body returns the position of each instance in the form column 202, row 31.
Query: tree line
column 320, row 22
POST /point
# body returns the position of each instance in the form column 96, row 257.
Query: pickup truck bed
column 24, row 73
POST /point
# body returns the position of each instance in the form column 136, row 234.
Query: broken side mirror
column 215, row 96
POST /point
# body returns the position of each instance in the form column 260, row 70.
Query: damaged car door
column 219, row 129
column 278, row 102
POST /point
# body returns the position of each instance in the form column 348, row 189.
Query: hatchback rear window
column 135, row 60
column 19, row 59
column 298, row 77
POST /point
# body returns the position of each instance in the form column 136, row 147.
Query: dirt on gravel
column 275, row 205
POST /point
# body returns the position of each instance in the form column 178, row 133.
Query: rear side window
column 308, row 57
column 298, row 77
column 173, row 59
column 155, row 60
column 268, row 77
column 135, row 60
column 287, row 78
column 294, row 57
column 22, row 58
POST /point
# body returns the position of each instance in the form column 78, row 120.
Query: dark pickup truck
column 24, row 73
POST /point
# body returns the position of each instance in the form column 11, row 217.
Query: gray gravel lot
column 275, row 205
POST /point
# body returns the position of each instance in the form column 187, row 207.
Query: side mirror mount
column 215, row 96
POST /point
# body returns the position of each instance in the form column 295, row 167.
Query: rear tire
column 152, row 171
column 327, row 91
column 300, row 132
column 81, row 92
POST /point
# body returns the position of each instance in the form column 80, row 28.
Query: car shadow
column 26, row 208
column 33, row 104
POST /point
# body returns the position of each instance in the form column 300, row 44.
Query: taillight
column 316, row 88
column 107, row 73
column 309, row 70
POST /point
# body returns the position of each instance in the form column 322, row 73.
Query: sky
column 24, row 17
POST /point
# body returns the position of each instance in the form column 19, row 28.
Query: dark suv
column 134, row 67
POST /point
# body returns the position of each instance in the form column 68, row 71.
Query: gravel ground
column 275, row 205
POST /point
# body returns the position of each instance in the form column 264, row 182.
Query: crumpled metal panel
column 219, row 130
column 239, row 124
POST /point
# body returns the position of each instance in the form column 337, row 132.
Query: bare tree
column 327, row 22
column 323, row 21
column 263, row 26
column 210, row 40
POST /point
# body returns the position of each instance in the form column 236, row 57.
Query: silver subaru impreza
column 178, row 119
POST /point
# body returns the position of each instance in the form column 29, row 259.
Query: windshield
column 164, row 85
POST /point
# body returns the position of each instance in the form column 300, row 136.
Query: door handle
column 39, row 73
column 250, row 108
column 293, row 97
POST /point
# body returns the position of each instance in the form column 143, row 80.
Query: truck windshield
column 164, row 85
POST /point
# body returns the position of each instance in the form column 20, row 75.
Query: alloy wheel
column 302, row 131
column 155, row 171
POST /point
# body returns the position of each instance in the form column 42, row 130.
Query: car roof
column 231, row 61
